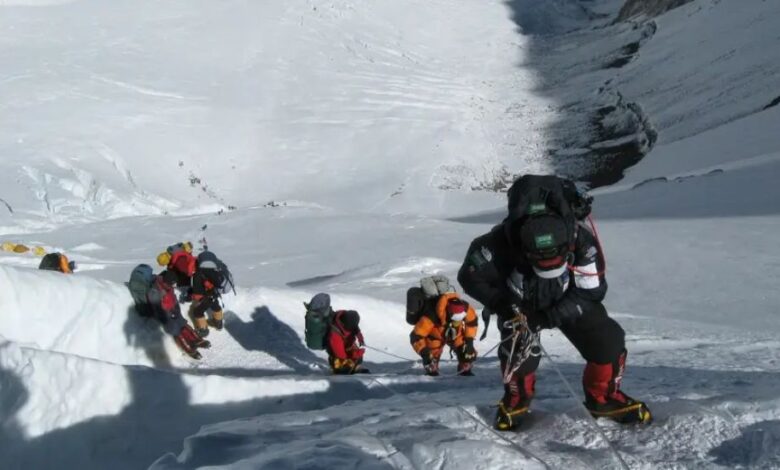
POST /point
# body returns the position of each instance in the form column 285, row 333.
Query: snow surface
column 345, row 146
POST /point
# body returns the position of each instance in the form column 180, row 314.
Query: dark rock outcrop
column 650, row 8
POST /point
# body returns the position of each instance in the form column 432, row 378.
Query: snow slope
column 724, row 390
column 126, row 108
column 352, row 117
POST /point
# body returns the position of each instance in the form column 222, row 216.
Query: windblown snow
column 352, row 147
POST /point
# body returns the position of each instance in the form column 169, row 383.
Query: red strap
column 600, row 253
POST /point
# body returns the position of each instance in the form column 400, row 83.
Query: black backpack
column 141, row 280
column 50, row 262
column 422, row 299
column 54, row 262
column 225, row 278
column 532, row 195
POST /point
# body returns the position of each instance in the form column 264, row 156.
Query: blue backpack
column 141, row 280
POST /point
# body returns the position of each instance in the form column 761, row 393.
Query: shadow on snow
column 160, row 415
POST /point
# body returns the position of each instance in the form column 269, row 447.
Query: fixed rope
column 390, row 354
column 525, row 452
column 591, row 420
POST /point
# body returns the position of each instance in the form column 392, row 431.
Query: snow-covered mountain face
column 352, row 147
column 620, row 88
column 634, row 8
column 126, row 108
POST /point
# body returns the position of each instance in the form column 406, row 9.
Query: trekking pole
column 591, row 420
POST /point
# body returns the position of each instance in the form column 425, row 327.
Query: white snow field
column 352, row 147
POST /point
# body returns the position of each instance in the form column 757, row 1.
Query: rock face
column 648, row 7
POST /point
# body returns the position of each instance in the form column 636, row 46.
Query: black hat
column 544, row 242
column 350, row 321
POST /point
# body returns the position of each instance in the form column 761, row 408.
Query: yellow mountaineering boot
column 509, row 419
column 201, row 326
column 621, row 408
column 217, row 319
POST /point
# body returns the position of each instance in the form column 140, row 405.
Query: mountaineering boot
column 464, row 369
column 192, row 338
column 432, row 369
column 217, row 320
column 359, row 369
column 603, row 397
column 201, row 326
column 518, row 393
column 186, row 348
column 621, row 408
column 509, row 419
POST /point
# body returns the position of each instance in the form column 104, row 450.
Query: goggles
column 549, row 263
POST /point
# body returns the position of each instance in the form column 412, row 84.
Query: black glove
column 564, row 312
column 469, row 353
column 537, row 321
column 503, row 305
column 185, row 295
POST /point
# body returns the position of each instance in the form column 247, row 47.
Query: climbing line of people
column 440, row 318
column 200, row 280
column 541, row 267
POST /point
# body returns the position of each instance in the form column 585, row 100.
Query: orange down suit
column 431, row 329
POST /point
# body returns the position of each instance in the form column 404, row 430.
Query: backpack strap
column 592, row 230
column 335, row 322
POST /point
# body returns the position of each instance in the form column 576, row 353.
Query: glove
column 503, row 305
column 343, row 366
column 185, row 295
column 537, row 322
column 469, row 353
column 564, row 312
